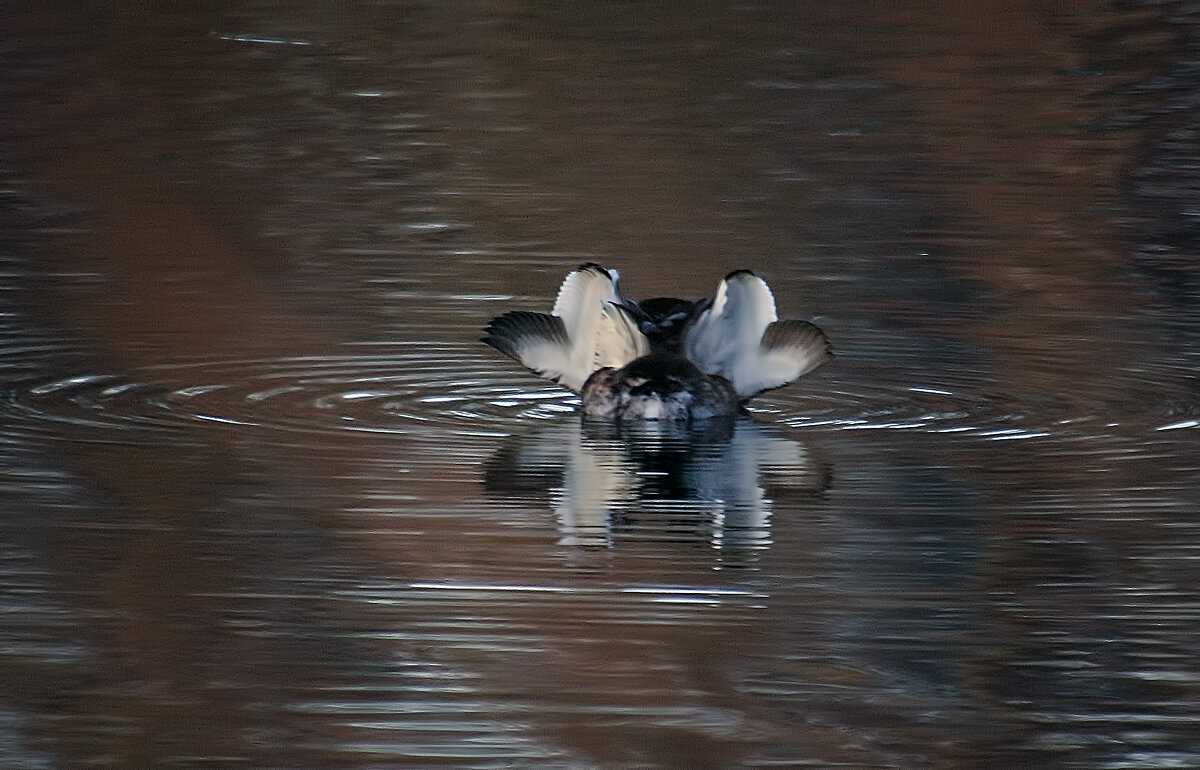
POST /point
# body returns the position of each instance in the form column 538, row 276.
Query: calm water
column 267, row 502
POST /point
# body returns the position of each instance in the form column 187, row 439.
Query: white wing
column 584, row 332
column 601, row 334
column 739, row 337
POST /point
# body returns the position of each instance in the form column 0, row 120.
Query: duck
column 663, row 358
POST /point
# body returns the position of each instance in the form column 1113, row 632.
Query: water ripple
column 458, row 389
column 977, row 409
column 395, row 390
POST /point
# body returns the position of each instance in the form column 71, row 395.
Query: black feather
column 507, row 333
column 590, row 266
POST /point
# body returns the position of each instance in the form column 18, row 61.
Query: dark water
column 266, row 501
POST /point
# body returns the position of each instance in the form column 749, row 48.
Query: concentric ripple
column 972, row 406
column 398, row 388
column 459, row 389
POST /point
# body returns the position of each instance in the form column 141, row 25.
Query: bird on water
column 662, row 358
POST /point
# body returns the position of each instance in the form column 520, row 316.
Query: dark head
column 662, row 320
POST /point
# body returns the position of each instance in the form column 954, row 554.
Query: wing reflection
column 715, row 480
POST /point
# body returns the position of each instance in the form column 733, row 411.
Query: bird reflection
column 713, row 480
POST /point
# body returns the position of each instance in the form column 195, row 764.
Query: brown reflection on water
column 269, row 185
column 998, row 99
column 181, row 273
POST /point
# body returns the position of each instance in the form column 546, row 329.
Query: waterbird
column 662, row 358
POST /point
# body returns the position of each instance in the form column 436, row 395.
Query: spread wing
column 537, row 340
column 584, row 332
column 738, row 336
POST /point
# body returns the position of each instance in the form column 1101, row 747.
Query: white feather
column 584, row 331
column 600, row 334
column 727, row 338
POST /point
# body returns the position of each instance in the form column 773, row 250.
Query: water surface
column 268, row 502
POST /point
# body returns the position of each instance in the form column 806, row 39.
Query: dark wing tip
column 800, row 335
column 503, row 344
column 593, row 267
column 506, row 332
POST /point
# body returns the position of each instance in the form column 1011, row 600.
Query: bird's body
column 664, row 358
column 658, row 386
